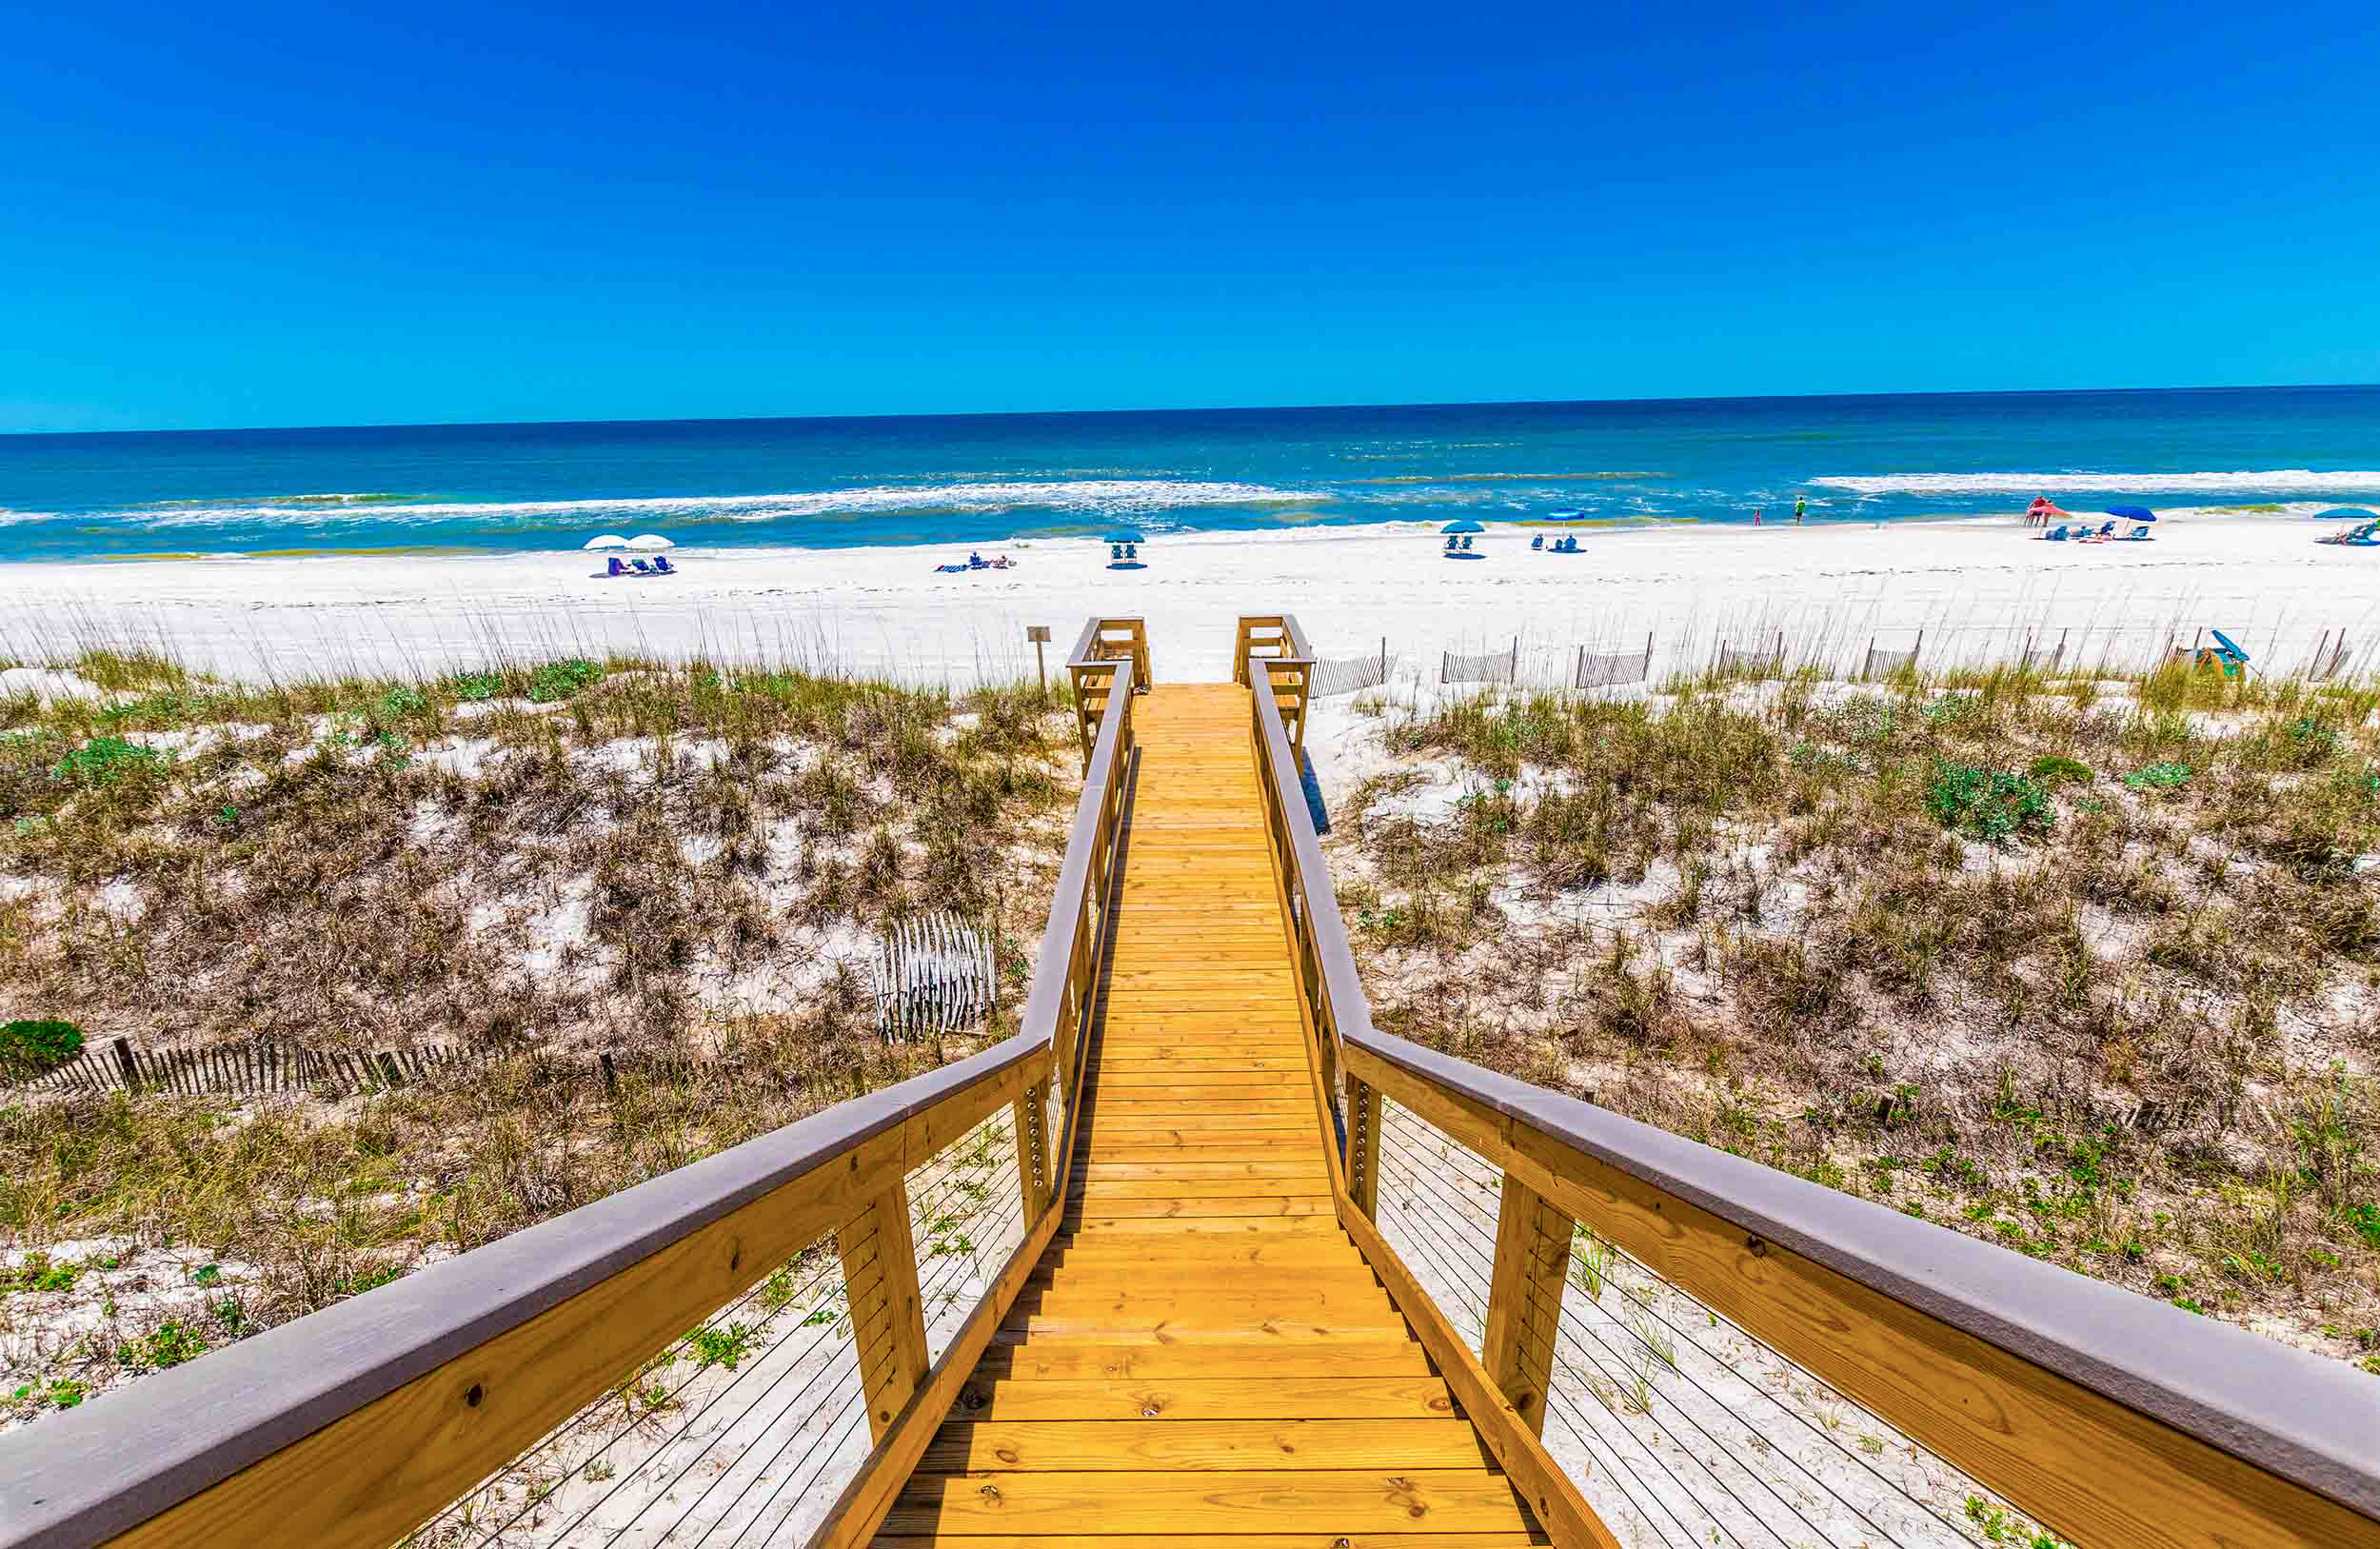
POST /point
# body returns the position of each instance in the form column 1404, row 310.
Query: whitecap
column 1089, row 497
column 2245, row 481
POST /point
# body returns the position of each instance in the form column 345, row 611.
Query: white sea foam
column 1088, row 497
column 2276, row 481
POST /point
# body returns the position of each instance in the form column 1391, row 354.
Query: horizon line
column 1207, row 409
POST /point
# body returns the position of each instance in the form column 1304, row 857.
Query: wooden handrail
column 352, row 1425
column 1091, row 667
column 2110, row 1419
column 1330, row 994
column 1065, row 982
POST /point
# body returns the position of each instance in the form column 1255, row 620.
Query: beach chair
column 662, row 566
column 641, row 567
column 1132, row 551
column 2138, row 535
column 2056, row 535
column 1466, row 540
column 1538, row 542
column 616, row 567
column 1453, row 544
column 1116, row 553
column 1570, row 545
column 950, row 569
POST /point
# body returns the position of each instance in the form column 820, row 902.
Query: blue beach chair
column 1538, row 542
column 662, row 566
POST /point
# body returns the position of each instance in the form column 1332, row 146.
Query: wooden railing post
column 880, row 1275
column 1363, row 1144
column 1525, row 1298
column 1030, row 1114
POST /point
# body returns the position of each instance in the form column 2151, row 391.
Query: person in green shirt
column 1798, row 506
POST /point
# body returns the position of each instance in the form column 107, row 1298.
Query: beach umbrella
column 1462, row 526
column 609, row 540
column 2346, row 513
column 1123, row 536
column 2133, row 513
column 649, row 540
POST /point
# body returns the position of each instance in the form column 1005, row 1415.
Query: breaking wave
column 1090, row 497
column 2271, row 481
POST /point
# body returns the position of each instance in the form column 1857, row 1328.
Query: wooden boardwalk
column 1203, row 1358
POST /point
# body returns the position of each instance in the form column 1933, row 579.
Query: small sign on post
column 1039, row 634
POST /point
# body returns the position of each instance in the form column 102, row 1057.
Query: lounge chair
column 643, row 568
column 1466, row 540
column 1132, row 551
column 1115, row 553
column 1570, row 545
column 616, row 567
column 2138, row 535
column 950, row 569
column 662, row 566
column 2056, row 535
column 1538, row 542
column 1453, row 544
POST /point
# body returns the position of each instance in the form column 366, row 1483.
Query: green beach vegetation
column 2087, row 967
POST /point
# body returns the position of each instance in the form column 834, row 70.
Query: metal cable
column 670, row 1358
column 1645, row 1306
column 1657, row 1424
column 712, row 1402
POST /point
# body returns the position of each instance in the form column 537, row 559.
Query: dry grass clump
column 2089, row 966
column 605, row 849
column 685, row 865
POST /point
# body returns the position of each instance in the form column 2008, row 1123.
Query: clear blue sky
column 263, row 215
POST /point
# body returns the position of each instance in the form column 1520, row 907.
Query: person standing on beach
column 1799, row 506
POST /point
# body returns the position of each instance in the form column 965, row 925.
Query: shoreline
column 1301, row 526
column 1977, row 584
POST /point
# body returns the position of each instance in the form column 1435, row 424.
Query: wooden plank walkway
column 1203, row 1358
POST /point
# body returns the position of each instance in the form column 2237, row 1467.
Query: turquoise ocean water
column 979, row 479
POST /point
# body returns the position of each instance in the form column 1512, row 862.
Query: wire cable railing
column 1690, row 1430
column 676, row 1455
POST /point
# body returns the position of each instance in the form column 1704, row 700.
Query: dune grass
column 2086, row 966
column 679, row 861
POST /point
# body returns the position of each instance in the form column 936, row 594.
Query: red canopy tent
column 2042, row 509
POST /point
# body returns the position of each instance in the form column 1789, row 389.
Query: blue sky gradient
column 292, row 215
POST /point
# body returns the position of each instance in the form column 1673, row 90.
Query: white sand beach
column 1978, row 588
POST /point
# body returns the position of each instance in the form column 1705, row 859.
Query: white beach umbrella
column 608, row 540
column 649, row 540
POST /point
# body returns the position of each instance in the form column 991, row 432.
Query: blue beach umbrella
column 1462, row 526
column 1123, row 536
column 2133, row 513
column 2346, row 513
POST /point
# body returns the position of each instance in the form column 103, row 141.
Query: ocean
column 979, row 479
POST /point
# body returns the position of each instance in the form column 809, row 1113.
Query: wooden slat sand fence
column 256, row 1068
column 1491, row 666
column 1764, row 660
column 1609, row 669
column 1884, row 663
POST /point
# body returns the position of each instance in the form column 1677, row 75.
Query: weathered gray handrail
column 1056, row 1003
column 84, row 1475
column 1065, row 983
column 2110, row 1418
column 356, row 1423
